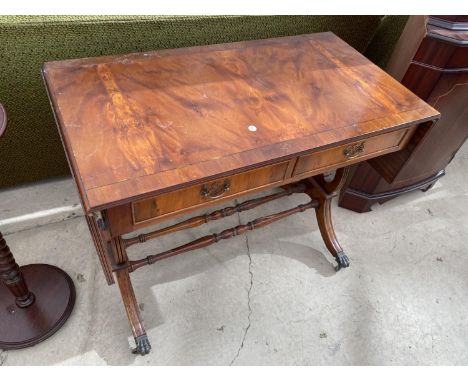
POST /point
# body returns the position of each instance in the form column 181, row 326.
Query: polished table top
column 144, row 123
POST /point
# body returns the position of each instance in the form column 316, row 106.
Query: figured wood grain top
column 144, row 123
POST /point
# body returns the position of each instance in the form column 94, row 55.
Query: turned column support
column 40, row 314
column 12, row 278
column 31, row 318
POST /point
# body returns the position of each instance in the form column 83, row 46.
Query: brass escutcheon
column 352, row 151
column 215, row 190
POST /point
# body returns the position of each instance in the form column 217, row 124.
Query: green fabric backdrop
column 31, row 148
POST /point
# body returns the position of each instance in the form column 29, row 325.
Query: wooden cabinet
column 431, row 59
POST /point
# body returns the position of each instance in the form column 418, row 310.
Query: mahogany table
column 150, row 136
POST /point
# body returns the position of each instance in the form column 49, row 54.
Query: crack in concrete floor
column 248, row 296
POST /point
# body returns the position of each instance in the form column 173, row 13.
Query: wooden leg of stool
column 324, row 191
column 143, row 345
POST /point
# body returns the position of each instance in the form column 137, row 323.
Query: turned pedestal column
column 35, row 300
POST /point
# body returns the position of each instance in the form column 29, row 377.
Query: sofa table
column 150, row 136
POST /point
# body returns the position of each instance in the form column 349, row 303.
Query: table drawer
column 208, row 192
column 350, row 153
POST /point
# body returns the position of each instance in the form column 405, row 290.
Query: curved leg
column 324, row 191
column 324, row 221
column 143, row 345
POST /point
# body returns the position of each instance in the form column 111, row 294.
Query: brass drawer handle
column 215, row 190
column 352, row 151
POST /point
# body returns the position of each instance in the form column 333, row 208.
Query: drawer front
column 350, row 153
column 208, row 192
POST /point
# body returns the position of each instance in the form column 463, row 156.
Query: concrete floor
column 270, row 297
